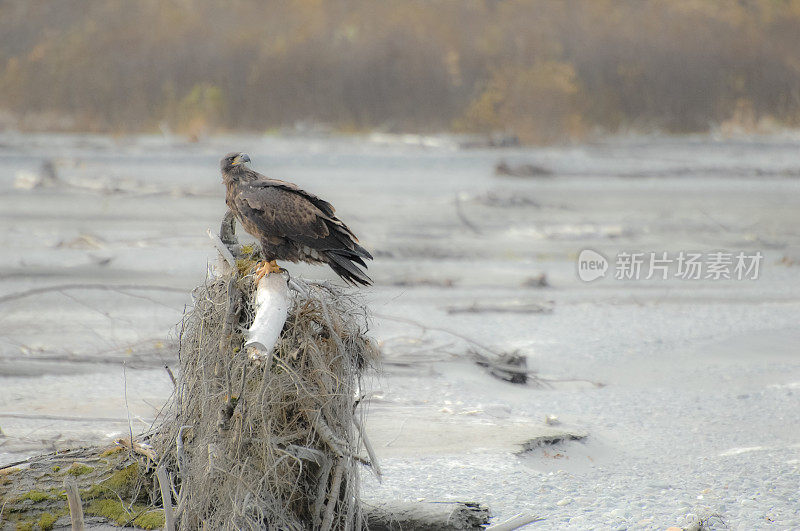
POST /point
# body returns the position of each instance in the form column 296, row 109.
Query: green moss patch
column 112, row 451
column 116, row 511
column 122, row 483
column 5, row 472
column 79, row 469
column 124, row 479
column 151, row 519
column 44, row 522
column 35, row 496
column 47, row 521
column 112, row 509
column 245, row 267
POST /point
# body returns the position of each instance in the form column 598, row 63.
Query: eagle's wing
column 282, row 210
column 323, row 206
column 279, row 213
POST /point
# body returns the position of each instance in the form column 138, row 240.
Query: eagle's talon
column 265, row 268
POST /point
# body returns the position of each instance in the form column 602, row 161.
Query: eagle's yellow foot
column 265, row 268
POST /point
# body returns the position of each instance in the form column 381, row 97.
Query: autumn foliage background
column 545, row 70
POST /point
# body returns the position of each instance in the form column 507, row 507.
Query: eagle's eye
column 241, row 158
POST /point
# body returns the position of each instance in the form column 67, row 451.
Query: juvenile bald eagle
column 290, row 223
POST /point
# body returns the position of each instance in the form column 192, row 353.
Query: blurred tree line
column 546, row 70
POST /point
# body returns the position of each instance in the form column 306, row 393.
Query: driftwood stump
column 267, row 436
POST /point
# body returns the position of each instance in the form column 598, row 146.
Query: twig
column 515, row 522
column 222, row 248
column 437, row 329
column 180, row 452
column 59, row 417
column 460, row 213
column 182, row 464
column 333, row 497
column 326, row 434
column 399, row 432
column 373, row 459
column 299, row 286
column 127, row 408
column 138, row 448
column 564, row 380
column 322, row 488
column 232, row 308
column 171, row 377
column 76, row 452
column 104, row 287
column 166, row 498
column 134, row 350
column 75, row 505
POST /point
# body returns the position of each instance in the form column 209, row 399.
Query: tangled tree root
column 272, row 442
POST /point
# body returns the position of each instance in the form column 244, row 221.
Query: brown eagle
column 290, row 223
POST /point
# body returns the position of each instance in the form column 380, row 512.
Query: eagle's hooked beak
column 241, row 159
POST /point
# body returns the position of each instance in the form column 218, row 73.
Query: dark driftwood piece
column 523, row 170
column 511, row 367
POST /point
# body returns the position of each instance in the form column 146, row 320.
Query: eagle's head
column 233, row 161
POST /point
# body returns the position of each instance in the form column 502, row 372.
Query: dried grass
column 268, row 443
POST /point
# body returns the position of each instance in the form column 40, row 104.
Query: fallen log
column 426, row 516
column 111, row 484
column 114, row 485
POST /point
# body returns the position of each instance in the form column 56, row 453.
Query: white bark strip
column 272, row 305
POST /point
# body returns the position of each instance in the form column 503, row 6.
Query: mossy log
column 118, row 488
column 115, row 485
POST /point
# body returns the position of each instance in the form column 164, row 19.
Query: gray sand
column 698, row 414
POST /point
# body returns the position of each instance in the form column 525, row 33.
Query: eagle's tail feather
column 342, row 264
column 360, row 251
column 357, row 259
column 351, row 245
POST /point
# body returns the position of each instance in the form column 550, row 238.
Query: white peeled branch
column 272, row 305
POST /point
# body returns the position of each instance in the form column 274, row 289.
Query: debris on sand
column 45, row 177
column 416, row 282
column 502, row 168
column 551, row 440
column 505, row 307
column 498, row 199
column 538, row 281
column 511, row 367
